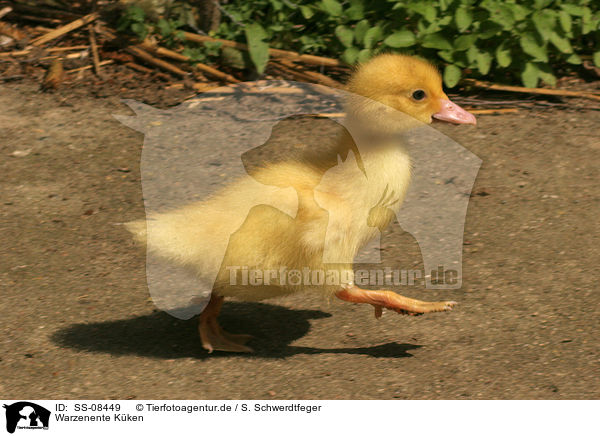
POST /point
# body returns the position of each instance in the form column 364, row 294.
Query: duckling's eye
column 419, row 94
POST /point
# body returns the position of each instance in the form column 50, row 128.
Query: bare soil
column 77, row 322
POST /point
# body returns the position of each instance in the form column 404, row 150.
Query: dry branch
column 540, row 91
column 161, row 51
column 49, row 50
column 65, row 29
column 54, row 76
column 94, row 47
column 147, row 57
column 494, row 111
column 291, row 55
column 89, row 67
column 311, row 76
column 256, row 90
column 16, row 53
column 143, row 69
column 207, row 69
column 137, row 67
column 5, row 11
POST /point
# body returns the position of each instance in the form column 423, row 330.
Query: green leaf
column 436, row 40
column 430, row 13
column 345, row 35
column 332, row 7
column 503, row 56
column 448, row 56
column 356, row 11
column 489, row 29
column 574, row 59
column 530, row 75
column 576, row 11
column 350, row 55
column 484, row 62
column 463, row 42
column 373, row 35
column 135, row 13
column 545, row 73
column 307, row 12
column 540, row 4
column 164, row 27
column 561, row 43
column 364, row 55
column 194, row 53
column 257, row 46
column 459, row 58
column 404, row 38
column 472, row 54
column 179, row 35
column 361, row 30
column 425, row 28
column 588, row 23
column 140, row 30
column 532, row 47
column 520, row 12
column 597, row 58
column 452, row 75
column 444, row 4
column 277, row 5
column 503, row 15
column 565, row 21
column 544, row 22
column 289, row 4
column 427, row 11
column 463, row 18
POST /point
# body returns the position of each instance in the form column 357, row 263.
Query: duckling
column 337, row 209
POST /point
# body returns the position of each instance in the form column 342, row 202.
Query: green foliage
column 257, row 45
column 133, row 20
column 526, row 40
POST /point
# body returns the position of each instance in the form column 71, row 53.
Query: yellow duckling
column 340, row 207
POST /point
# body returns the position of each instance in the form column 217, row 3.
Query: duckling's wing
column 186, row 246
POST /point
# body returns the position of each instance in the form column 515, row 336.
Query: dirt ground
column 77, row 322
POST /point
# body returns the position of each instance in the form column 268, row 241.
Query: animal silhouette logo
column 193, row 151
column 26, row 415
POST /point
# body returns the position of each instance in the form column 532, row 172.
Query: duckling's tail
column 139, row 230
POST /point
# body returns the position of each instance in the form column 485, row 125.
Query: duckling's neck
column 371, row 146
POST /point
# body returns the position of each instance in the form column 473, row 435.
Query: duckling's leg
column 390, row 300
column 213, row 336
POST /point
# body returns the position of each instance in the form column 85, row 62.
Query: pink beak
column 454, row 113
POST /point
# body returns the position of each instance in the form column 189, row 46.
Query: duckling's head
column 406, row 84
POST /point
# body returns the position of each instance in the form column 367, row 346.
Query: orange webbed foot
column 381, row 299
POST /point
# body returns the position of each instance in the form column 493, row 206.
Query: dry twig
column 5, row 11
column 145, row 56
column 311, row 76
column 291, row 55
column 89, row 67
column 540, row 91
column 161, row 51
column 494, row 111
column 143, row 69
column 54, row 76
column 94, row 47
column 49, row 50
column 65, row 29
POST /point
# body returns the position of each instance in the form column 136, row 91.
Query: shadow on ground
column 162, row 336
